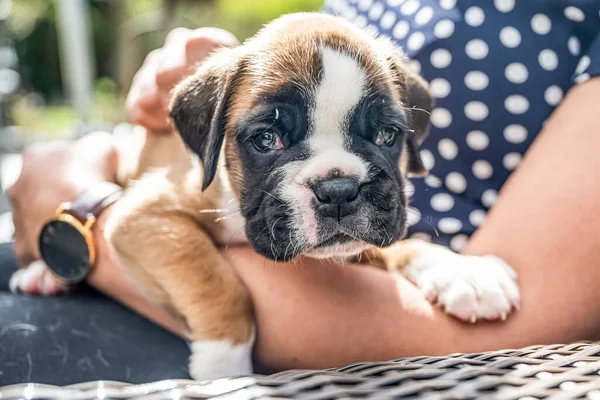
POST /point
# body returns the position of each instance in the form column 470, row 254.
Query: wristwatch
column 66, row 241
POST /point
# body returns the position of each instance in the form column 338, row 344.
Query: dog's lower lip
column 335, row 239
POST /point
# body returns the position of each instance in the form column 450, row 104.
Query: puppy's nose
column 337, row 197
column 336, row 191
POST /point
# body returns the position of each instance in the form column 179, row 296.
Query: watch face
column 65, row 251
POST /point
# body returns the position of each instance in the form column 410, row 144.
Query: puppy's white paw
column 220, row 359
column 469, row 287
column 36, row 279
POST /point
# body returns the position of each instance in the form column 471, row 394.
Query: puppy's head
column 320, row 124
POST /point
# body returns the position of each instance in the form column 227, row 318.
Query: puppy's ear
column 414, row 92
column 199, row 108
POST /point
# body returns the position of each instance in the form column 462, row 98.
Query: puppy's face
column 320, row 123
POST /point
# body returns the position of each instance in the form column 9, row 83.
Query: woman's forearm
column 546, row 221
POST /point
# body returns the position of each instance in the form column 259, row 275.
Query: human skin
column 544, row 224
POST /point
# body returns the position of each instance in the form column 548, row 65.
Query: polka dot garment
column 497, row 69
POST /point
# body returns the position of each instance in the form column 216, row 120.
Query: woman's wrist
column 109, row 277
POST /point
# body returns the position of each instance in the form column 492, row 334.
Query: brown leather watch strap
column 95, row 200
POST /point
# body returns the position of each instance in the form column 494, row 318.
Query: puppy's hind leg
column 170, row 254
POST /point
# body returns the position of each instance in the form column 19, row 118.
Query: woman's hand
column 53, row 173
column 163, row 68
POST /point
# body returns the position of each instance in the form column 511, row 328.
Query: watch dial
column 65, row 251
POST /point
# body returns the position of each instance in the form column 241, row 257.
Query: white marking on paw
column 214, row 359
column 469, row 287
column 36, row 279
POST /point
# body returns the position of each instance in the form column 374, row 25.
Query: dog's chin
column 337, row 250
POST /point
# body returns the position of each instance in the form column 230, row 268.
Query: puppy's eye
column 267, row 140
column 386, row 137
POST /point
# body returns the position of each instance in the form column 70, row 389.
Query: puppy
column 298, row 142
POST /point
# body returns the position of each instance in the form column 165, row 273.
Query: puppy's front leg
column 468, row 287
column 178, row 263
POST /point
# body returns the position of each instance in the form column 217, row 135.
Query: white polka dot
column 421, row 236
column 443, row 29
column 413, row 216
column 574, row 14
column 442, row 202
column 477, row 49
column 441, row 118
column 541, row 24
column 516, row 73
column 350, row 13
column 360, row 21
column 388, row 20
column 456, row 182
column 449, row 225
column 474, row 16
column 583, row 64
column 477, row 140
column 458, row 242
column 376, row 11
column 410, row 7
column 574, row 45
column 424, row 15
column 504, row 5
column 394, row 3
column 476, row 80
column 582, row 78
column 515, row 133
column 548, row 60
column 433, row 181
column 363, row 5
column 511, row 161
column 401, row 30
column 477, row 217
column 447, row 4
column 476, row 111
column 441, row 58
column 510, row 37
column 415, row 66
column 553, row 95
column 488, row 198
column 428, row 159
column 516, row 104
column 482, row 169
column 409, row 188
column 415, row 41
column 447, row 149
column 439, row 88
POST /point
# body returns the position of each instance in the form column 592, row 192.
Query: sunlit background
column 66, row 65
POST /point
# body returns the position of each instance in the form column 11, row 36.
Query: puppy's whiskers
column 272, row 195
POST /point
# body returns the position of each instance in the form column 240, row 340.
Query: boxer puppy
column 299, row 143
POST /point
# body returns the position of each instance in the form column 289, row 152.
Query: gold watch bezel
column 85, row 229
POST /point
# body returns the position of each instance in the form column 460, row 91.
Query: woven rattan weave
column 553, row 372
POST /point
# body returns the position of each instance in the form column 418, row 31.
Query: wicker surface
column 554, row 372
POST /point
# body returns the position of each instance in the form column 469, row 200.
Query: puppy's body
column 297, row 142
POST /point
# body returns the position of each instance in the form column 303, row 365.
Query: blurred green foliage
column 42, row 104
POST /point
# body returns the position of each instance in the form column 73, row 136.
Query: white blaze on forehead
column 341, row 87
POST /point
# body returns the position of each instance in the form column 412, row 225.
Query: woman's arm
column 544, row 224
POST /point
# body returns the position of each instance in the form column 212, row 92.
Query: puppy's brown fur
column 163, row 230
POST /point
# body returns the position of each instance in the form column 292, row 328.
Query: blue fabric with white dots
column 497, row 69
